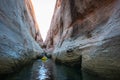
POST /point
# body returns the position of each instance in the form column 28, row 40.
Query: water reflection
column 66, row 73
column 42, row 72
column 48, row 70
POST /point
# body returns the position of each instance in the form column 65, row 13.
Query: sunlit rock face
column 19, row 35
column 87, row 28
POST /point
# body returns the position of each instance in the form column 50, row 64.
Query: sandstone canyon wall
column 87, row 29
column 19, row 35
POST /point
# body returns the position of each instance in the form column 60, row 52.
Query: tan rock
column 19, row 35
column 89, row 28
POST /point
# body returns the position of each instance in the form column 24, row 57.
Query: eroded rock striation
column 89, row 29
column 19, row 35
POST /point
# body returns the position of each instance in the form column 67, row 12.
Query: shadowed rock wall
column 19, row 35
column 89, row 29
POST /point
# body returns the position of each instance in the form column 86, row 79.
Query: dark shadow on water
column 62, row 72
column 48, row 70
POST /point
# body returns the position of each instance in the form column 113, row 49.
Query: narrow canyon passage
column 82, row 43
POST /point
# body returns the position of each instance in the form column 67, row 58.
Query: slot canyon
column 82, row 43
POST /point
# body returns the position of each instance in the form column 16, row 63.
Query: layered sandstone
column 89, row 29
column 19, row 35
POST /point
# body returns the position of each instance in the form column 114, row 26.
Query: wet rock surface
column 19, row 35
column 87, row 28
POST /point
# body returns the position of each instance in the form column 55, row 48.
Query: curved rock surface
column 19, row 35
column 87, row 28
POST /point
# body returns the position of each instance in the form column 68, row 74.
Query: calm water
column 50, row 71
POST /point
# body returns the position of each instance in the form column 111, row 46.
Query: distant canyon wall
column 19, row 35
column 87, row 29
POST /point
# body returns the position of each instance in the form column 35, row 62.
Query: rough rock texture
column 87, row 28
column 19, row 35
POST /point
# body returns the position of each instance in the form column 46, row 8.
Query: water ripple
column 43, row 72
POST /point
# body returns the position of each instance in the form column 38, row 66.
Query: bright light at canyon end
column 44, row 10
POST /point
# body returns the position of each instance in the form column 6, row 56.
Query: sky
column 44, row 11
